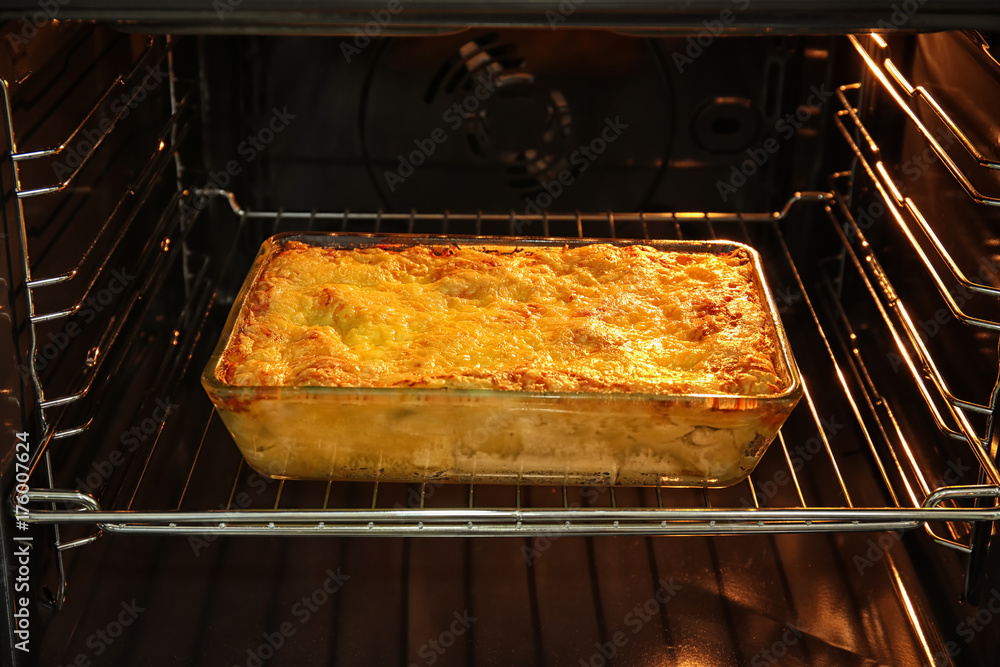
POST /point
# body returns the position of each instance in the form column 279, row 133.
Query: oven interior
column 142, row 172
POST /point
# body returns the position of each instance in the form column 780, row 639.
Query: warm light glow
column 898, row 76
column 897, row 195
column 910, row 611
column 878, row 40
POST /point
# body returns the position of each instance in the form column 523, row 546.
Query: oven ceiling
column 424, row 16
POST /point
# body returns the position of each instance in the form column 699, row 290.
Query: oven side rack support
column 81, row 508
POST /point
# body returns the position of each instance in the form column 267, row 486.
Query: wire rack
column 843, row 440
column 368, row 509
column 114, row 227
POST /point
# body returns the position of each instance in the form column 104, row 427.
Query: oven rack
column 892, row 193
column 898, row 203
column 920, row 92
column 365, row 509
column 910, row 330
column 879, row 289
column 155, row 53
column 888, row 73
column 905, row 212
column 914, row 499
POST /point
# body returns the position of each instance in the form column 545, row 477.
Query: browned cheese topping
column 591, row 318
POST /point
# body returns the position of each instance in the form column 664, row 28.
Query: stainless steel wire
column 705, row 518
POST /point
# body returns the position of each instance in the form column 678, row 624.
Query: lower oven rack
column 476, row 522
column 219, row 495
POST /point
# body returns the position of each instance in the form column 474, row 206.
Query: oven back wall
column 516, row 120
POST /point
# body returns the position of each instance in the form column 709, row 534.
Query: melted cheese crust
column 591, row 318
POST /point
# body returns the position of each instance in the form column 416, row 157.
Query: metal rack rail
column 927, row 364
column 885, row 74
column 922, row 93
column 895, row 199
column 791, row 491
column 114, row 227
column 360, row 509
column 69, row 158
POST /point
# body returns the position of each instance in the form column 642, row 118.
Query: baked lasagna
column 592, row 318
column 540, row 364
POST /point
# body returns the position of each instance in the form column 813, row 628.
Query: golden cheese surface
column 591, row 318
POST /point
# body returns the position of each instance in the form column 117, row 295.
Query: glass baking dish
column 497, row 436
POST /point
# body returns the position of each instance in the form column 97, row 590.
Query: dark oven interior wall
column 729, row 126
column 952, row 67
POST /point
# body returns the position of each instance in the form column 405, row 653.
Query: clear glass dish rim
column 275, row 243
